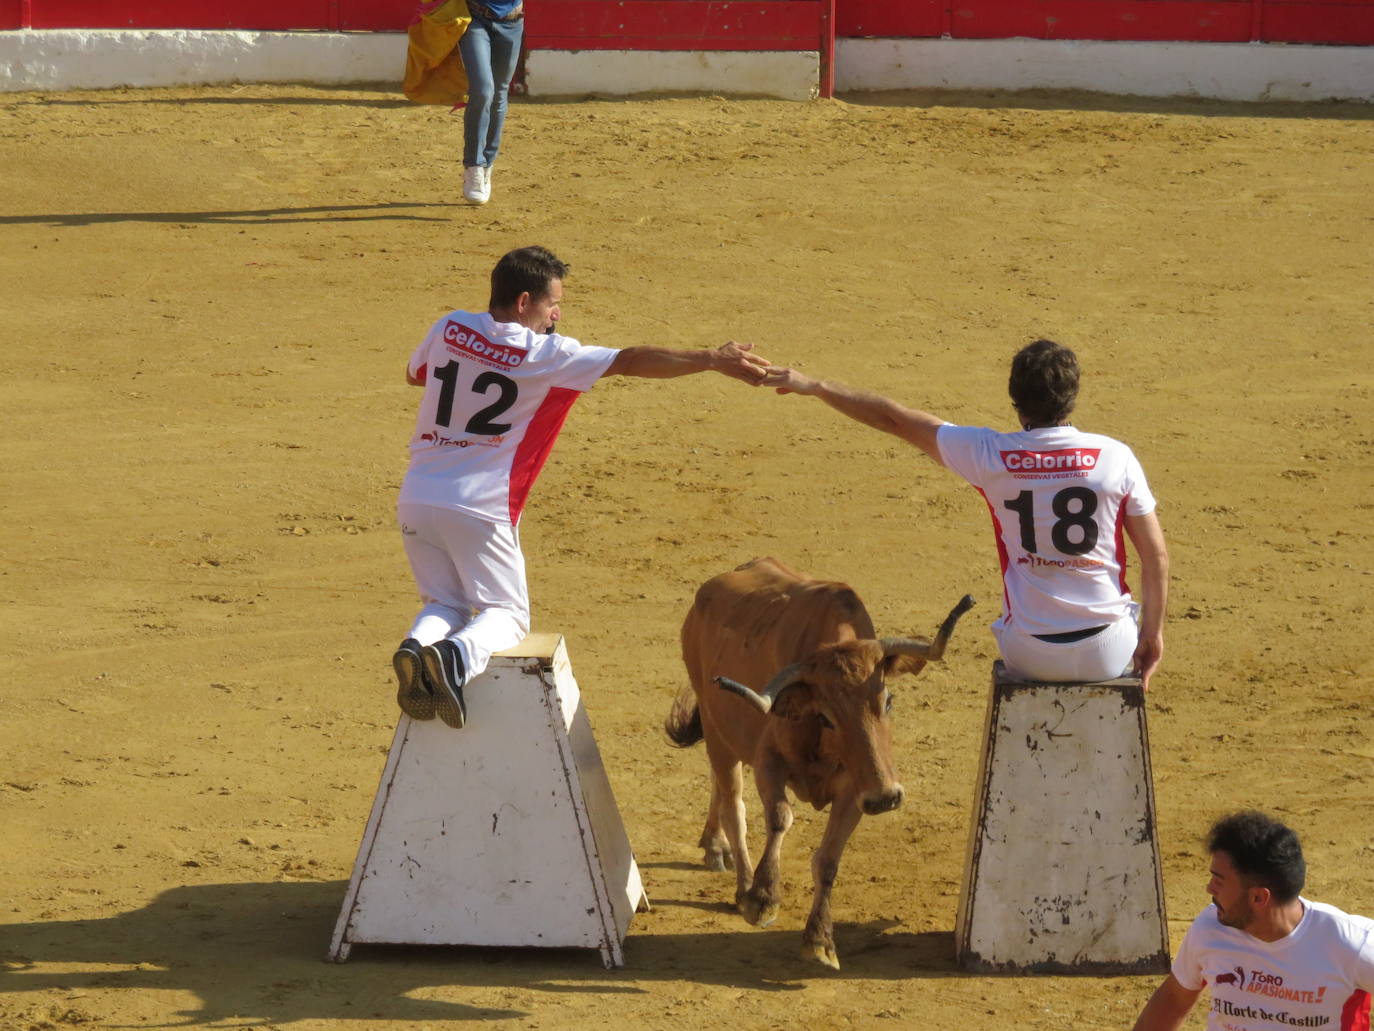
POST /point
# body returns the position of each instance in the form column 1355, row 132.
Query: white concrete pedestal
column 504, row 833
column 1062, row 873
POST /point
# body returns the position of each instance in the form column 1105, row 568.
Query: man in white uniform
column 497, row 386
column 1061, row 501
column 1274, row 959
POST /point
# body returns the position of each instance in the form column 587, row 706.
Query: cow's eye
column 825, row 721
column 887, row 705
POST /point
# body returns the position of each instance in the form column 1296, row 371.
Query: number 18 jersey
column 496, row 395
column 1058, row 500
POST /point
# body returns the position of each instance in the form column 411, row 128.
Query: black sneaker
column 412, row 691
column 444, row 667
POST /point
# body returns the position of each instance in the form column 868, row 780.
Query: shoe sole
column 415, row 701
column 448, row 701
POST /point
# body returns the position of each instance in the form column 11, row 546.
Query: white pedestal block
column 1062, row 873
column 504, row 833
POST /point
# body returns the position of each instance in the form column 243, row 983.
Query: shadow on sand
column 388, row 97
column 396, row 211
column 254, row 954
column 334, row 96
column 1079, row 100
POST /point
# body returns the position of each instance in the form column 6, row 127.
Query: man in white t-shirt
column 1062, row 502
column 497, row 386
column 1274, row 960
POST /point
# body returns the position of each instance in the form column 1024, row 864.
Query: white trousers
column 471, row 577
column 1104, row 656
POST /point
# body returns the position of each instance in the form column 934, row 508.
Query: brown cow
column 819, row 727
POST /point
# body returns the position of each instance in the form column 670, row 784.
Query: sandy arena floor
column 209, row 295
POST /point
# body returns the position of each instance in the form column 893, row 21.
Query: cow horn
column 785, row 678
column 763, row 701
column 747, row 693
column 921, row 648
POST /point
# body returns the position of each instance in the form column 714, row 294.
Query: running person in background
column 1060, row 500
column 1274, row 959
column 497, row 386
column 490, row 49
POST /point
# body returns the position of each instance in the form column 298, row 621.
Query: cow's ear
column 793, row 702
column 896, row 665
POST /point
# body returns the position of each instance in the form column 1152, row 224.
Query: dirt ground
column 209, row 295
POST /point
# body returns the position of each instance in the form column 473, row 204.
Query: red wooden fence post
column 827, row 26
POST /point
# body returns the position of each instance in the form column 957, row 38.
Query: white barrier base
column 504, row 833
column 1217, row 71
column 785, row 75
column 61, row 59
column 1062, row 873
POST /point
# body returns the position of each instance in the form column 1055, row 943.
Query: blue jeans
column 490, row 51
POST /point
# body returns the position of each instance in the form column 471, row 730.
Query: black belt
column 478, row 10
column 1072, row 635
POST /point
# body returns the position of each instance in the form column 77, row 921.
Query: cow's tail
column 683, row 725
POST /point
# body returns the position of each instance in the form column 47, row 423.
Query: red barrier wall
column 265, row 15
column 760, row 25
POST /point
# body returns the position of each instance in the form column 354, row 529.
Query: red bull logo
column 1235, row 977
column 1067, row 462
column 471, row 344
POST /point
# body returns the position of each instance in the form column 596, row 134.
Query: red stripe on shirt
column 1355, row 1012
column 535, row 446
column 1121, row 545
column 1003, row 559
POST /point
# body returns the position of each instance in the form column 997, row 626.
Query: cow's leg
column 760, row 904
column 818, row 940
column 715, row 848
column 728, row 773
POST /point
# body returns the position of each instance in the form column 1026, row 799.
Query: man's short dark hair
column 1263, row 851
column 529, row 270
column 1044, row 383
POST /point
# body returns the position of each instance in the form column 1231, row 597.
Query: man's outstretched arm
column 911, row 424
column 732, row 359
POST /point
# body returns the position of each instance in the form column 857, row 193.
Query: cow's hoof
column 823, row 954
column 757, row 912
column 717, row 861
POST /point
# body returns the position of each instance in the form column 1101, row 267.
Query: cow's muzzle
column 882, row 801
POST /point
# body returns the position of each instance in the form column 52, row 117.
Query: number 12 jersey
column 496, row 395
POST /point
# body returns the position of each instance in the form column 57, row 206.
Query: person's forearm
column 1164, row 1012
column 731, row 358
column 861, row 406
column 913, row 426
column 1155, row 1020
column 662, row 363
column 1148, row 538
column 1154, row 582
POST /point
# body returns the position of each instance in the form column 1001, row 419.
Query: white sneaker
column 475, row 188
column 486, row 179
